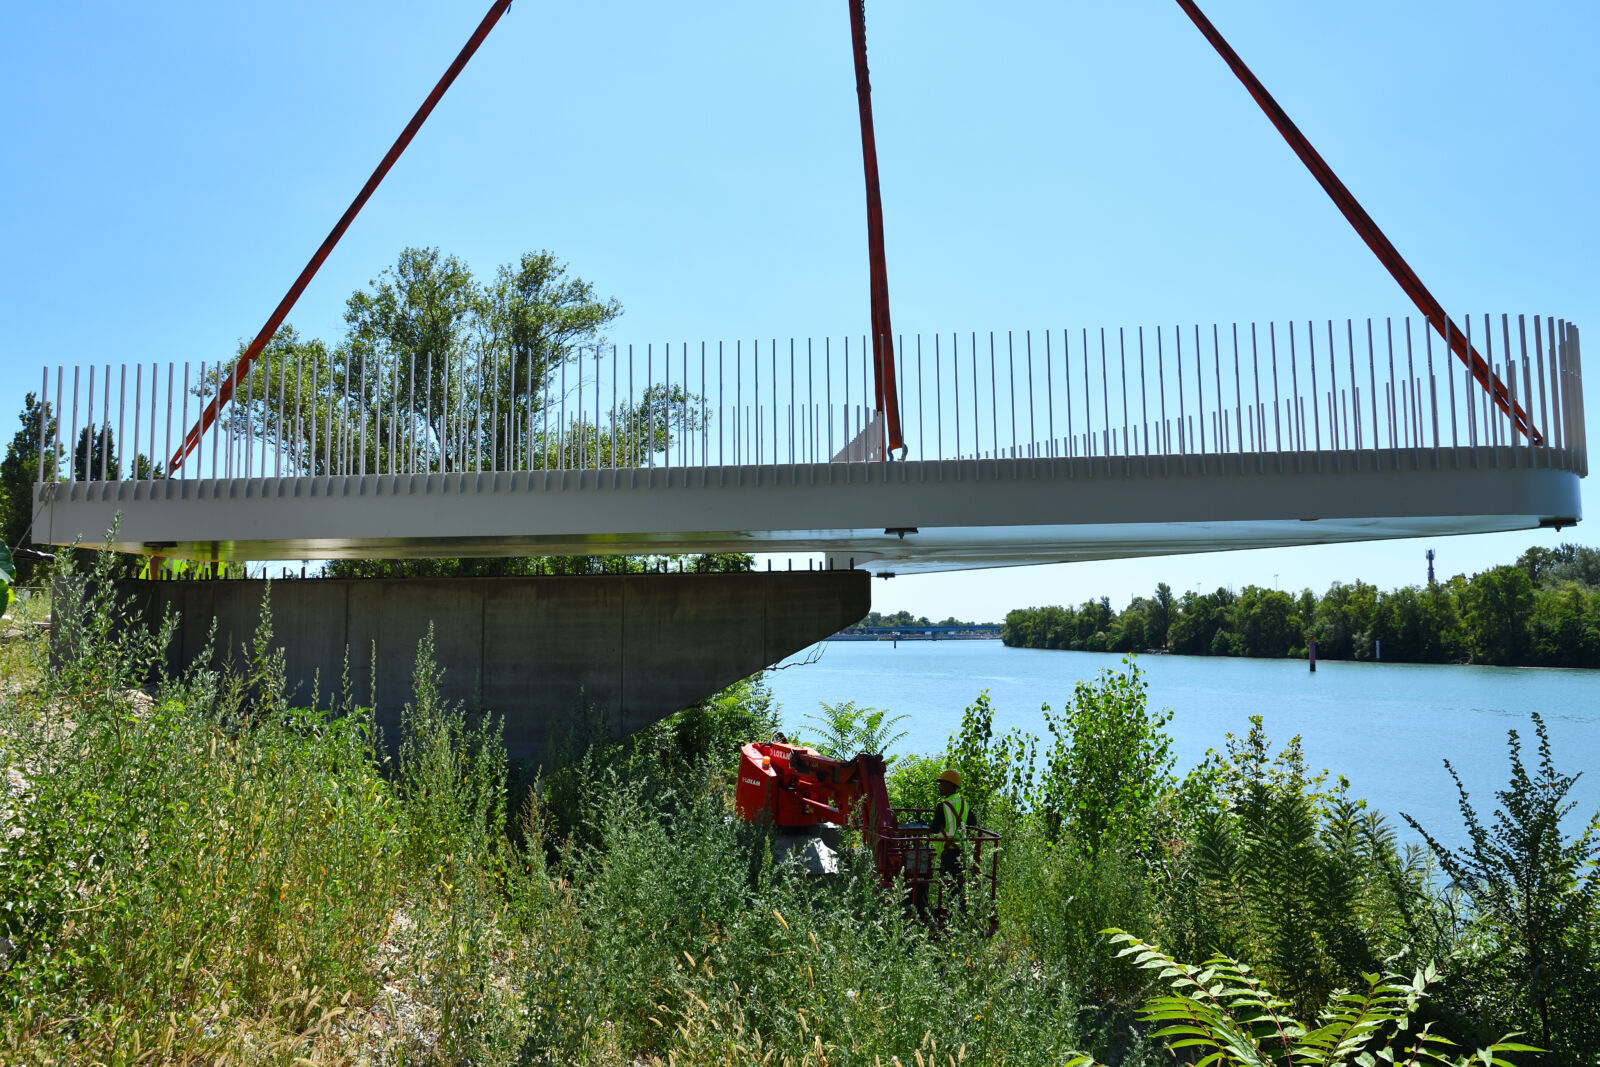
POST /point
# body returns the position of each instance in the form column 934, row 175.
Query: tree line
column 1541, row 611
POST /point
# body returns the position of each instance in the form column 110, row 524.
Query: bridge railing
column 1334, row 391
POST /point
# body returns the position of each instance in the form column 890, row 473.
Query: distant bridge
column 932, row 633
column 1023, row 447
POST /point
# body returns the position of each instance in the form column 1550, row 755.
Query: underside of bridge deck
column 888, row 517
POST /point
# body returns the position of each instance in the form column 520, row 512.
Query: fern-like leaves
column 1224, row 1013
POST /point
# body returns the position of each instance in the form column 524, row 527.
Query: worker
column 951, row 819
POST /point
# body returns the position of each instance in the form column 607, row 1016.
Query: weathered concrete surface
column 635, row 647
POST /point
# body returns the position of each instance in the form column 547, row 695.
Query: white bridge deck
column 1104, row 445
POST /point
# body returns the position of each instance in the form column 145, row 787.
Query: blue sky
column 170, row 167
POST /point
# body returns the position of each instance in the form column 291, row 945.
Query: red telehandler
column 793, row 788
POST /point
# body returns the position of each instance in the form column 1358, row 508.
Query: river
column 1384, row 726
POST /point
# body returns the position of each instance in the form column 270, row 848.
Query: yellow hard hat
column 951, row 775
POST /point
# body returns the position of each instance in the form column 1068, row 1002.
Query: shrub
column 847, row 730
column 1533, row 961
column 1230, row 1019
column 1109, row 763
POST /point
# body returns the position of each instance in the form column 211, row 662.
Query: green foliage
column 1543, row 611
column 8, row 575
column 1228, row 1018
column 451, row 775
column 1296, row 878
column 997, row 773
column 1109, row 764
column 913, row 782
column 1056, row 898
column 20, row 470
column 1534, row 950
column 847, row 730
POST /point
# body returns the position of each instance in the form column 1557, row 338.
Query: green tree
column 20, row 471
column 1499, row 605
column 1266, row 622
column 1160, row 615
column 1565, row 626
column 1535, row 963
column 1109, row 762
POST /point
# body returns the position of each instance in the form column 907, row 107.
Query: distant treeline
column 905, row 618
column 1543, row 610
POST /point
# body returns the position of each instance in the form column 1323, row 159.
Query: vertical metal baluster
column 216, row 423
column 1511, row 389
column 1474, row 419
column 138, row 413
column 1088, row 397
column 977, row 421
column 1161, row 387
column 1105, row 397
column 1544, row 412
column 1199, row 396
column 358, row 464
column 994, row 404
column 1552, row 434
column 1527, row 383
column 167, row 448
column 1393, row 395
column 1372, row 381
column 922, row 431
column 107, row 441
column 1033, row 428
column 87, row 450
column 1433, row 391
column 1183, row 444
column 117, row 442
column 1277, row 393
column 1258, row 443
column 46, row 468
column 61, row 387
column 182, row 422
column 938, row 402
column 1470, row 399
column 241, row 467
column 1491, row 420
column 1011, row 362
column 277, row 424
column 1450, row 380
column 1238, row 398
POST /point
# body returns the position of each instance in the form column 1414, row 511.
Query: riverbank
column 220, row 876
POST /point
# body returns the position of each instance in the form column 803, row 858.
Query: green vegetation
column 1542, row 611
column 844, row 730
column 199, row 872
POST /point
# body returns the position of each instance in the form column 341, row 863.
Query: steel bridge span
column 1023, row 448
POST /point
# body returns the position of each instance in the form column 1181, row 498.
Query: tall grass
column 193, row 870
column 196, row 871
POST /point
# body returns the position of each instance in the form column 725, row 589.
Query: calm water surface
column 1384, row 726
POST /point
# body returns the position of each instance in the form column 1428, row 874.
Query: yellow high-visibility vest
column 955, row 825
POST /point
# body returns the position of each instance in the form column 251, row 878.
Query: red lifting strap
column 225, row 387
column 1387, row 254
column 882, row 332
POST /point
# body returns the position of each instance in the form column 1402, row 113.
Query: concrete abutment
column 540, row 651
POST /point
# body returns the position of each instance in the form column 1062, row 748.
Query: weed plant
column 192, row 869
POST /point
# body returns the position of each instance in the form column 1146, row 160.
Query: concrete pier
column 635, row 648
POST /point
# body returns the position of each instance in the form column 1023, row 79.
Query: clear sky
column 170, row 167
